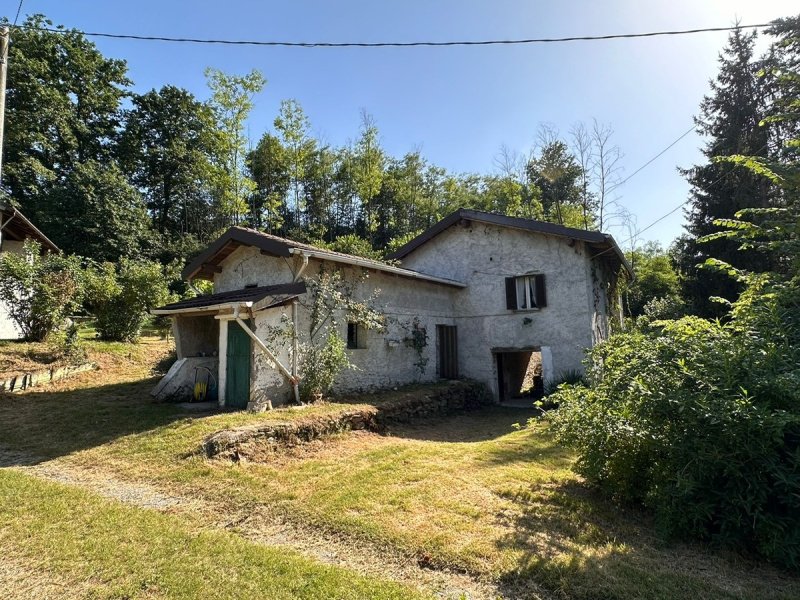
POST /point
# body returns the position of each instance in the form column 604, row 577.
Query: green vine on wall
column 417, row 339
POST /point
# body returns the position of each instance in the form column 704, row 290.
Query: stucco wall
column 8, row 329
column 386, row 359
column 247, row 266
column 482, row 256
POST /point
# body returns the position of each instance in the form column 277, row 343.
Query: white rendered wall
column 8, row 329
column 482, row 256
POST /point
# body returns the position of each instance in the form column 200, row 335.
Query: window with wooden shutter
column 526, row 292
column 511, row 293
column 541, row 293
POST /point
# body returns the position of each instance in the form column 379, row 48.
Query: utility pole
column 3, row 69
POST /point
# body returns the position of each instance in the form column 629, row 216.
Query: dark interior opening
column 519, row 375
column 352, row 336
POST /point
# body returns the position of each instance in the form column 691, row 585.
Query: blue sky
column 457, row 105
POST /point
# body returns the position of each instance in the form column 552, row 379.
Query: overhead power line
column 290, row 44
column 657, row 156
column 19, row 8
column 674, row 210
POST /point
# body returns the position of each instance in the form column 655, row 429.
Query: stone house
column 15, row 228
column 507, row 301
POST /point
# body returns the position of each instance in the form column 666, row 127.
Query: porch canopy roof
column 16, row 227
column 255, row 298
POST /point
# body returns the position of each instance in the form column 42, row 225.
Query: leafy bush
column 664, row 307
column 39, row 290
column 322, row 365
column 120, row 297
column 701, row 422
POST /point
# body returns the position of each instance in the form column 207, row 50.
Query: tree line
column 110, row 173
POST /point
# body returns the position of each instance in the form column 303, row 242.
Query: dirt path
column 258, row 526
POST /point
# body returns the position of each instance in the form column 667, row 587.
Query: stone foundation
column 269, row 436
column 23, row 381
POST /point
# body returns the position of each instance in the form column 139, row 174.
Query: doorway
column 519, row 375
column 447, row 351
column 237, row 370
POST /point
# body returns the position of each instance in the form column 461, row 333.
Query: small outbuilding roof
column 207, row 262
column 602, row 242
column 255, row 298
column 16, row 226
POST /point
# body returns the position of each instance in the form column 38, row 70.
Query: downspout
column 191, row 287
column 302, row 267
column 263, row 347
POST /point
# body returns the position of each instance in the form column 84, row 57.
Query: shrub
column 701, row 422
column 321, row 366
column 39, row 290
column 120, row 297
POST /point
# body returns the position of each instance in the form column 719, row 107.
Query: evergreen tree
column 730, row 118
column 555, row 172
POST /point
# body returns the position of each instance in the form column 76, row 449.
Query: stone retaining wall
column 269, row 436
column 23, row 381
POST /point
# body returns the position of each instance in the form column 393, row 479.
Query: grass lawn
column 98, row 548
column 469, row 492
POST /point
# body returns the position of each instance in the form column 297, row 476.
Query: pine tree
column 730, row 118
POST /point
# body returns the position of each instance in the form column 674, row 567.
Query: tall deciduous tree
column 62, row 110
column 231, row 103
column 268, row 167
column 292, row 127
column 96, row 213
column 166, row 147
column 369, row 161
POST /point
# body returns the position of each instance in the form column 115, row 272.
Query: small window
column 525, row 292
column 356, row 336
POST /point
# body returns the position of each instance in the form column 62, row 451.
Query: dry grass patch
column 467, row 492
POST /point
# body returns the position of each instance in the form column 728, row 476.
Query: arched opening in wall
column 519, row 375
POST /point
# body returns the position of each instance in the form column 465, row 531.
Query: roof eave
column 17, row 215
column 369, row 264
column 201, row 309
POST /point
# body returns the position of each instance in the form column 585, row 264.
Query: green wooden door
column 237, row 372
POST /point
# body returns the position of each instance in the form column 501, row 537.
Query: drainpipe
column 191, row 287
column 263, row 347
column 302, row 267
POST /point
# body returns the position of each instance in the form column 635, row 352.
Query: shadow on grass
column 479, row 425
column 578, row 544
column 41, row 425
